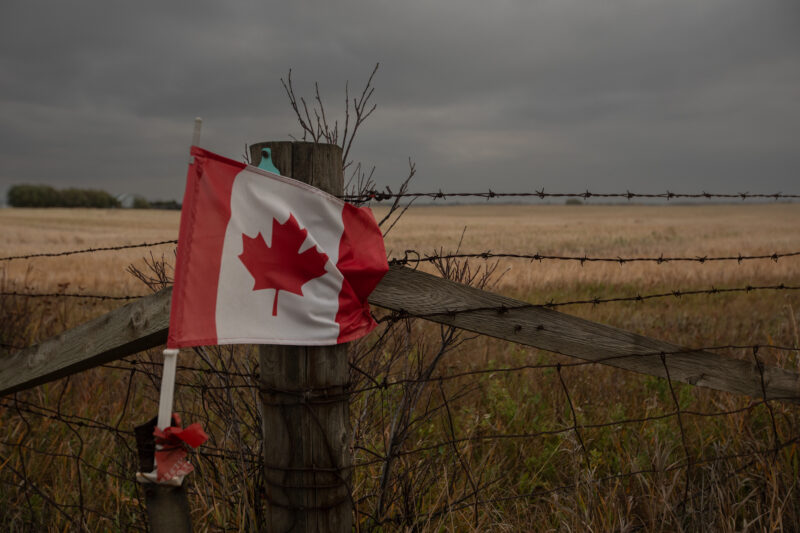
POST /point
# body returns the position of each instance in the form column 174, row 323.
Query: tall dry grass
column 80, row 455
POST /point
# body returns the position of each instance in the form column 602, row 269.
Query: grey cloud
column 522, row 94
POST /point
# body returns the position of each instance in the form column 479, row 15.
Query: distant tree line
column 141, row 203
column 46, row 196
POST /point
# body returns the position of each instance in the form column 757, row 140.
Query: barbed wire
column 378, row 196
column 89, row 250
column 488, row 254
column 675, row 294
column 678, row 293
column 502, row 309
column 417, row 257
column 72, row 295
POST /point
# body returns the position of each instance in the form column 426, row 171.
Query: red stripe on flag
column 205, row 213
column 362, row 262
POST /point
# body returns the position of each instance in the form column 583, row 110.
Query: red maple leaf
column 280, row 266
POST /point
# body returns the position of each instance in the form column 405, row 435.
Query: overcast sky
column 643, row 95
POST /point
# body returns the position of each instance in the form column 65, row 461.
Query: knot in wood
column 39, row 357
column 694, row 380
column 138, row 319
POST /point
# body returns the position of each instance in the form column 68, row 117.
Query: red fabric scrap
column 172, row 445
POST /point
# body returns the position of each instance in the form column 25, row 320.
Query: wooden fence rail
column 143, row 324
column 130, row 329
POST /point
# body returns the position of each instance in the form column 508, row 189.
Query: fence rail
column 144, row 323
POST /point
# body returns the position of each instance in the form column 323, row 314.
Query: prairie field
column 608, row 231
column 526, row 443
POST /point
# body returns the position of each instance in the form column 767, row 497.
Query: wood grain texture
column 115, row 335
column 130, row 329
column 167, row 509
column 436, row 299
column 305, row 407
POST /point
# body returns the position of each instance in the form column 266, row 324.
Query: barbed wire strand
column 502, row 309
column 678, row 293
column 429, row 258
column 88, row 296
column 488, row 254
column 378, row 196
column 90, row 250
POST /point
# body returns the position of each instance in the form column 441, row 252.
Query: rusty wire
column 677, row 293
column 417, row 257
column 90, row 250
column 414, row 257
column 378, row 196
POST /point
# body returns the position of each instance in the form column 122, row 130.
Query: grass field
column 524, row 476
column 625, row 230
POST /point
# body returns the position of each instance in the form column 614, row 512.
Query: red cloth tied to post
column 172, row 445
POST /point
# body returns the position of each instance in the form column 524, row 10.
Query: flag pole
column 167, row 388
column 169, row 369
column 166, row 502
column 198, row 124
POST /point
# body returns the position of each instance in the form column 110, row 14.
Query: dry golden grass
column 610, row 231
column 754, row 493
column 30, row 231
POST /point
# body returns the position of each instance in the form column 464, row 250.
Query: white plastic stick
column 198, row 124
column 167, row 388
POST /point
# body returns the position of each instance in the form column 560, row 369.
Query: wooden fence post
column 167, row 506
column 305, row 407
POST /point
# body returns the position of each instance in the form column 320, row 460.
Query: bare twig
column 319, row 128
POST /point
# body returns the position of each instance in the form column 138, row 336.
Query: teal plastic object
column 266, row 162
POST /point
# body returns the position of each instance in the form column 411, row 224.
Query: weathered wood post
column 167, row 505
column 306, row 426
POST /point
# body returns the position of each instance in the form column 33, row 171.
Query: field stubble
column 754, row 492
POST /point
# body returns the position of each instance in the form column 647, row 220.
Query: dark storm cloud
column 514, row 95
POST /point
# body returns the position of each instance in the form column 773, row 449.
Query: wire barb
column 541, row 194
column 90, row 250
column 582, row 259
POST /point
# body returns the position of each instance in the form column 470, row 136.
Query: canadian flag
column 266, row 259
